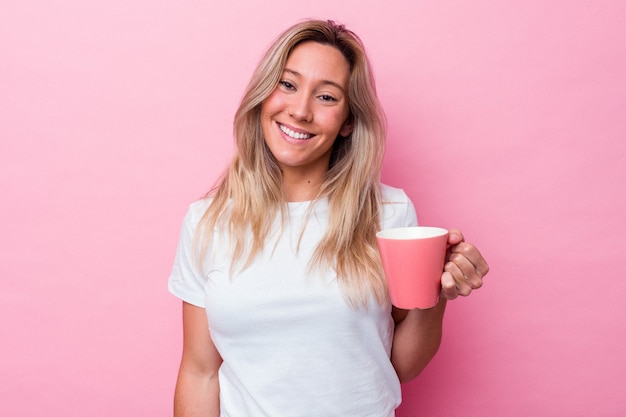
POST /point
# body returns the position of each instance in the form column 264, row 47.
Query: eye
column 326, row 97
column 286, row 84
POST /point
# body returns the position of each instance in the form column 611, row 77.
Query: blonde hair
column 251, row 187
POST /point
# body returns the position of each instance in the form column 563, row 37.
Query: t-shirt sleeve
column 410, row 217
column 398, row 210
column 187, row 281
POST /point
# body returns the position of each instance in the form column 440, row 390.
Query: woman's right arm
column 197, row 387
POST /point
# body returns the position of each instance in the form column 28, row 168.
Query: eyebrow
column 297, row 74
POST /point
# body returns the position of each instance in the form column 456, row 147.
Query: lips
column 293, row 134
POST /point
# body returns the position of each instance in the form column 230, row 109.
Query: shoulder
column 393, row 195
column 398, row 209
column 200, row 206
column 196, row 210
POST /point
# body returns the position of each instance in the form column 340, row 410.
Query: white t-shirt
column 291, row 345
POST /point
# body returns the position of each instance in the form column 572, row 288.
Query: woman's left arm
column 417, row 333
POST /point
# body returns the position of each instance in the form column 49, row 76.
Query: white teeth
column 293, row 134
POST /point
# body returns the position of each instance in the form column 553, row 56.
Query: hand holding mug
column 464, row 269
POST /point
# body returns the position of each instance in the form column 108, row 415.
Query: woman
column 285, row 307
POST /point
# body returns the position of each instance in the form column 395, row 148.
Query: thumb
column 454, row 236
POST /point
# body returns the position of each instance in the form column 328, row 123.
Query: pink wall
column 506, row 119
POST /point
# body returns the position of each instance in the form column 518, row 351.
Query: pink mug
column 412, row 259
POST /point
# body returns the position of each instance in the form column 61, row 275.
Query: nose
column 300, row 108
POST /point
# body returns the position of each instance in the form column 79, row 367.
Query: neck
column 299, row 186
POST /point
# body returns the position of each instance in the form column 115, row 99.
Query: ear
column 347, row 127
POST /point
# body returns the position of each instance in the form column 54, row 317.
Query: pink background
column 507, row 119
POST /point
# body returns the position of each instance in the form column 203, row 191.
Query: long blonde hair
column 251, row 188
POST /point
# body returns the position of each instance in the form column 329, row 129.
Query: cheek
column 272, row 104
column 338, row 120
column 265, row 108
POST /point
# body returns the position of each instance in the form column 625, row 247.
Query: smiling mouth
column 294, row 135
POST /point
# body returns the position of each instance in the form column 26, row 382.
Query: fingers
column 448, row 286
column 469, row 252
column 463, row 272
column 454, row 283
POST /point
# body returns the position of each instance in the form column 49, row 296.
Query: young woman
column 285, row 306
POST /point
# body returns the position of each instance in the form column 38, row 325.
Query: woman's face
column 309, row 108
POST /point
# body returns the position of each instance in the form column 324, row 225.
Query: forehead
column 318, row 61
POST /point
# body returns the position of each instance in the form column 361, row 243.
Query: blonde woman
column 285, row 307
